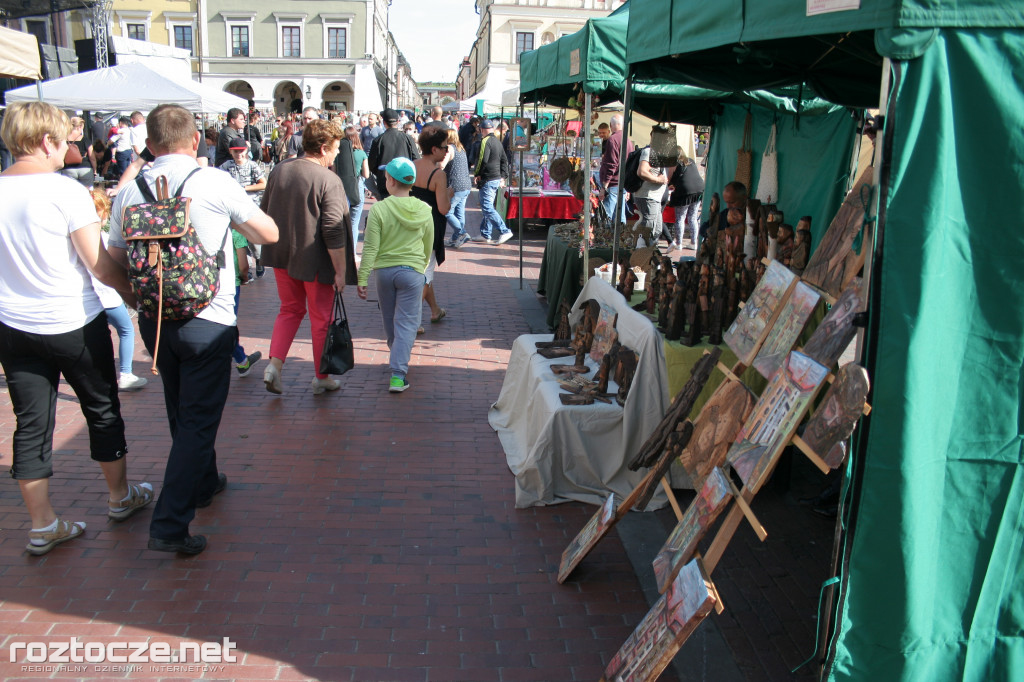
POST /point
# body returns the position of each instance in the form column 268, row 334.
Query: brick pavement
column 364, row 536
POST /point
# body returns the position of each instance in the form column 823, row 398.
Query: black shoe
column 191, row 544
column 222, row 482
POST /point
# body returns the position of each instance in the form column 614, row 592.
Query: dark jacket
column 687, row 185
column 391, row 144
column 494, row 164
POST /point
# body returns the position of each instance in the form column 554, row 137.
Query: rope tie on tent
column 821, row 595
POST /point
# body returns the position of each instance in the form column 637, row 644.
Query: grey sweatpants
column 400, row 294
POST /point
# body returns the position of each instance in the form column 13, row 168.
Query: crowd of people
column 292, row 201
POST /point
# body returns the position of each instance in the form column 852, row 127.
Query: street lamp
column 309, row 92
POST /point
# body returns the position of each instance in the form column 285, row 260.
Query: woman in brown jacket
column 314, row 256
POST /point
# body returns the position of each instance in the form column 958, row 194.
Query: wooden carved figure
column 563, row 332
column 784, row 245
column 625, row 370
column 676, row 313
column 628, row 283
column 604, row 372
column 836, row 331
column 715, row 429
column 732, row 301
column 832, row 423
column 801, row 246
column 833, row 263
column 668, row 287
column 719, row 294
column 579, row 367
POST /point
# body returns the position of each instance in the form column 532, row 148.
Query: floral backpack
column 171, row 273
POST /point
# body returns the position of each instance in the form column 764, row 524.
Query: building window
column 291, row 41
column 137, row 31
column 239, row 41
column 524, row 43
column 183, row 38
column 37, row 27
column 336, row 41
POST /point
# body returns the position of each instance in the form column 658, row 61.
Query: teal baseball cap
column 402, row 170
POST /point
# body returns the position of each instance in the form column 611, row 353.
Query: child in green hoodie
column 396, row 248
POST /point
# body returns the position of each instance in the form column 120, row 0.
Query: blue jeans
column 457, row 215
column 609, row 203
column 491, row 218
column 195, row 365
column 119, row 320
column 400, row 295
column 356, row 211
column 122, row 160
column 238, row 355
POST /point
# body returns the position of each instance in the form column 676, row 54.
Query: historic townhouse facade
column 510, row 27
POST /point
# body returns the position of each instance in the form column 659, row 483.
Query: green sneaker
column 398, row 384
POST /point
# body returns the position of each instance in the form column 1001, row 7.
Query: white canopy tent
column 19, row 55
column 127, row 87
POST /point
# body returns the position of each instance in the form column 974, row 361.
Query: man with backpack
column 609, row 172
column 391, row 144
column 185, row 287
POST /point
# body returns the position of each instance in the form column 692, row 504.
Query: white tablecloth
column 562, row 452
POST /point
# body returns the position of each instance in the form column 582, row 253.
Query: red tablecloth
column 553, row 208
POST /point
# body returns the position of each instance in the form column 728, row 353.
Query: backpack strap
column 143, row 186
column 178, row 193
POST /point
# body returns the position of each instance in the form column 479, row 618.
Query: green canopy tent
column 930, row 587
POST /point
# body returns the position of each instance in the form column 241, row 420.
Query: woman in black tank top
column 431, row 187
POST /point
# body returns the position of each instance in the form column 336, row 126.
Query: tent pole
column 826, row 628
column 620, row 199
column 521, row 181
column 585, row 191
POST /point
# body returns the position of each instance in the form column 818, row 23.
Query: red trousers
column 296, row 296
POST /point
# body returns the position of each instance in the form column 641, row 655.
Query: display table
column 548, row 207
column 561, row 271
column 562, row 452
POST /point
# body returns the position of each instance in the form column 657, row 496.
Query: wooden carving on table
column 669, row 623
column 715, row 429
column 753, row 323
column 563, row 332
column 711, row 500
column 584, row 336
column 676, row 313
column 836, row 331
column 628, row 285
column 719, row 301
column 587, row 538
column 668, row 287
column 625, row 370
column 781, row 339
column 696, row 297
column 582, row 398
column 773, row 221
column 681, row 406
column 784, row 245
column 832, row 423
column 580, row 367
column 654, row 280
column 732, row 301
column 833, row 264
column 604, row 372
column 801, row 246
column 775, row 417
column 604, row 333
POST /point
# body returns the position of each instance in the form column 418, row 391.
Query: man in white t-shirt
column 194, row 355
column 138, row 133
column 647, row 199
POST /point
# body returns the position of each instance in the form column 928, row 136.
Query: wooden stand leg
column 811, row 454
column 672, row 498
column 748, row 512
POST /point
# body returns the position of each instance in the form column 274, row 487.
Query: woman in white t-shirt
column 52, row 322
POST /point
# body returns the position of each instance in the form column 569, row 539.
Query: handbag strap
column 339, row 315
column 747, row 137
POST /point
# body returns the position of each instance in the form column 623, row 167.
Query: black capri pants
column 33, row 364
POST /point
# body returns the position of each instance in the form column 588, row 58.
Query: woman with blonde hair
column 461, row 184
column 687, row 194
column 52, row 322
column 314, row 256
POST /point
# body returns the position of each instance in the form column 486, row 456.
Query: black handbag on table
column 337, row 356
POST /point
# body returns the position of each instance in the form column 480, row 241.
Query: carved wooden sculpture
column 676, row 313
column 801, row 246
column 833, row 263
column 784, row 245
column 836, row 331
column 579, row 367
column 692, row 307
column 680, row 409
column 715, row 429
column 667, row 289
column 563, row 332
column 625, row 370
column 832, row 423
column 719, row 296
column 604, row 372
column 628, row 283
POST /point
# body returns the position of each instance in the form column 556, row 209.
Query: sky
column 434, row 36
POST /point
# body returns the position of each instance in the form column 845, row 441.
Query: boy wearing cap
column 399, row 238
column 491, row 172
column 244, row 171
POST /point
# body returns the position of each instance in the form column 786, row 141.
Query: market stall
column 935, row 469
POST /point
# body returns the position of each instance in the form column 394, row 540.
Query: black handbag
column 337, row 357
